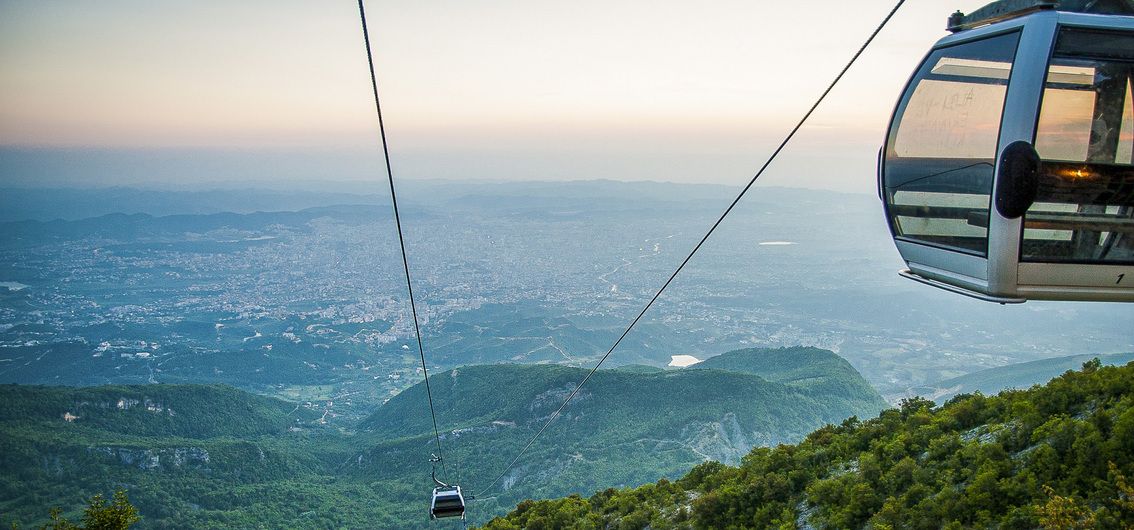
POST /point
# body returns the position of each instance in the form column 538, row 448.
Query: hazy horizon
column 129, row 93
column 59, row 168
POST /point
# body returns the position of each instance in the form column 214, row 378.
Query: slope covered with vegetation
column 190, row 411
column 624, row 428
column 175, row 447
column 1057, row 456
column 617, row 400
column 813, row 369
column 215, row 457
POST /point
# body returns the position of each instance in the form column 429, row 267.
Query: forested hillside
column 1057, row 456
column 210, row 456
column 804, row 392
column 174, row 447
column 813, row 369
column 188, row 411
column 624, row 428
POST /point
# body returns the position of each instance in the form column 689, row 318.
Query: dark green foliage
column 1057, row 456
column 640, row 369
column 804, row 391
column 813, row 369
column 800, row 364
column 199, row 456
column 187, row 411
column 118, row 514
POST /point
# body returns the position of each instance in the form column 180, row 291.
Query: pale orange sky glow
column 495, row 89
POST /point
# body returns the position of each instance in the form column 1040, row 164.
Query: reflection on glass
column 940, row 153
column 1085, row 206
column 951, row 119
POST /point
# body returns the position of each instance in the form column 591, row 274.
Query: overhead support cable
column 398, row 223
column 728, row 210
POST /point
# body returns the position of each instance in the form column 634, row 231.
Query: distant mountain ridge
column 71, row 204
column 1020, row 375
column 74, row 203
column 143, row 226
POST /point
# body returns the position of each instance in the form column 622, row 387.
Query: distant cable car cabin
column 447, row 502
column 1007, row 171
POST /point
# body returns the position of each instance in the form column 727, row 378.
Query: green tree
column 58, row 522
column 117, row 514
column 1064, row 513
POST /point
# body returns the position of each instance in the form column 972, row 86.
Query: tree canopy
column 1056, row 456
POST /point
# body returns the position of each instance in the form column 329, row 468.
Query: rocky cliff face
column 171, row 458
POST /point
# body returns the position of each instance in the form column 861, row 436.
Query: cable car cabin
column 1007, row 171
column 447, row 502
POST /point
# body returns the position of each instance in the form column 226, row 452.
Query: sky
column 200, row 93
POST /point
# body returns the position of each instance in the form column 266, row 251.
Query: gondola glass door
column 1084, row 209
